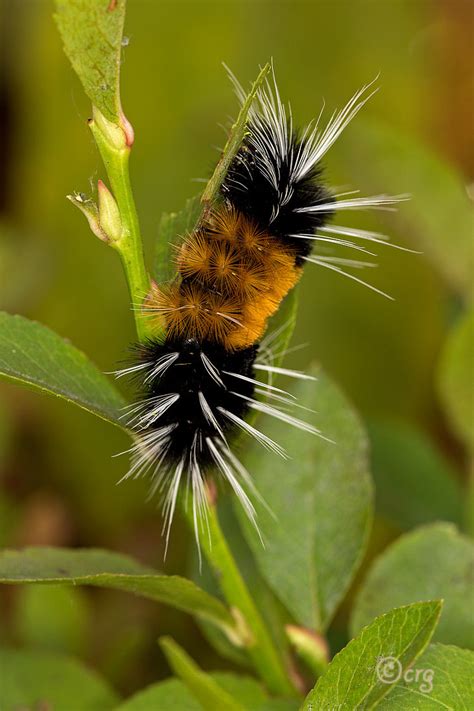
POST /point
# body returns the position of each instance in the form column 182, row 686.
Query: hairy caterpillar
column 232, row 273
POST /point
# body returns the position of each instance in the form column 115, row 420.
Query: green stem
column 112, row 144
column 259, row 644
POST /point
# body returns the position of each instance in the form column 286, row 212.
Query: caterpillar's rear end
column 232, row 274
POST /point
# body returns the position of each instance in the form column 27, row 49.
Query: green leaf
column 249, row 692
column 91, row 31
column 414, row 483
column 37, row 680
column 444, row 235
column 433, row 561
column 169, row 695
column 172, row 695
column 103, row 568
column 309, row 558
column 209, row 694
column 456, row 378
column 35, row 356
column 173, row 227
column 445, row 680
column 357, row 676
column 237, row 134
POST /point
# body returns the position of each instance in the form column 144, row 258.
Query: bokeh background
column 57, row 473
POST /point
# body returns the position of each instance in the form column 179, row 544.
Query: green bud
column 109, row 214
column 91, row 211
column 311, row 647
column 113, row 135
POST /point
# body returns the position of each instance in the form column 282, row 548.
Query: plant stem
column 259, row 644
column 115, row 153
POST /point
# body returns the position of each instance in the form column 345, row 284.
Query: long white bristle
column 257, row 382
column 284, row 371
column 334, row 268
column 162, row 365
column 229, row 475
column 211, row 369
column 253, row 432
column 375, row 237
column 374, row 202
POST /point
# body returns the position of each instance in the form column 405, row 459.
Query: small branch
column 258, row 642
column 114, row 146
column 232, row 146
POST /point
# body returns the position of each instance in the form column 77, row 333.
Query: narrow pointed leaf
column 201, row 685
column 237, row 134
column 35, row 356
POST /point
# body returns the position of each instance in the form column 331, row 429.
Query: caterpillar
column 200, row 382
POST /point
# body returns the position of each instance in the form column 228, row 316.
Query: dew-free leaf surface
column 321, row 500
column 366, row 670
column 106, row 569
column 33, row 355
column 434, row 561
column 442, row 678
column 91, row 31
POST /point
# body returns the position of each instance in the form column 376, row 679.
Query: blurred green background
column 58, row 476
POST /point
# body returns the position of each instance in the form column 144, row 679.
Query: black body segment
column 274, row 205
column 189, row 377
